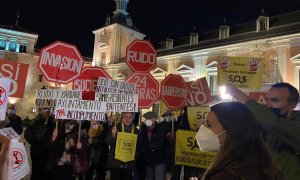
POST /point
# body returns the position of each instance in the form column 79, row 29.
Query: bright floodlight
column 223, row 93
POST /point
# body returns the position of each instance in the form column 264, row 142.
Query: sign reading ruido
column 146, row 88
column 60, row 62
column 140, row 56
column 174, row 91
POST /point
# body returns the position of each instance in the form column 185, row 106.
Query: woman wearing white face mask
column 230, row 129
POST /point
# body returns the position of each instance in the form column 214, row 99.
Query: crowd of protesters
column 252, row 142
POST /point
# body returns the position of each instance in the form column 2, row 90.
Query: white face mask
column 148, row 123
column 207, row 140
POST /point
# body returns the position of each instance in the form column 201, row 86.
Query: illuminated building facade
column 276, row 38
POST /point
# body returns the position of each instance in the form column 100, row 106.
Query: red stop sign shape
column 174, row 91
column 140, row 56
column 60, row 62
column 147, row 88
column 87, row 81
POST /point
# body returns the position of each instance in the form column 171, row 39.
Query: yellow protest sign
column 196, row 116
column 125, row 146
column 164, row 108
column 243, row 72
column 187, row 152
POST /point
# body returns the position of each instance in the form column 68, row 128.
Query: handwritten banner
column 187, row 152
column 49, row 97
column 106, row 85
column 124, row 102
column 243, row 72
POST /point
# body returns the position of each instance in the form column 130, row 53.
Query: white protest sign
column 49, row 97
column 79, row 109
column 18, row 153
column 4, row 93
column 10, row 133
column 125, row 102
column 21, row 166
column 106, row 85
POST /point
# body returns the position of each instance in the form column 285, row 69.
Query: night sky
column 73, row 21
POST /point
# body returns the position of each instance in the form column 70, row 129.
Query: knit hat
column 167, row 113
column 149, row 115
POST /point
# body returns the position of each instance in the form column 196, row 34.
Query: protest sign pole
column 79, row 132
column 173, row 119
column 140, row 119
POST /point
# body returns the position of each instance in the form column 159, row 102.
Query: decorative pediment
column 211, row 68
column 120, row 77
column 158, row 73
column 184, row 70
column 296, row 60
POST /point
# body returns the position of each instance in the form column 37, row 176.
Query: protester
column 280, row 123
column 15, row 121
column 6, row 163
column 61, row 151
column 186, row 172
column 166, row 124
column 98, row 150
column 119, row 169
column 230, row 129
column 152, row 143
column 38, row 135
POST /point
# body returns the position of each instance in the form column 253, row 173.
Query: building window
column 23, row 48
column 262, row 24
column 12, row 46
column 224, row 32
column 194, row 38
column 2, row 44
column 169, row 44
column 40, row 78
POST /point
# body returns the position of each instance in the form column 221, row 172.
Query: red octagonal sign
column 140, row 56
column 174, row 91
column 147, row 88
column 60, row 62
column 87, row 81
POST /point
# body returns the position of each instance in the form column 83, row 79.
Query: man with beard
column 280, row 123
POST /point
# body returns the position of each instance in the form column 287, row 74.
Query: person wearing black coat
column 15, row 121
column 38, row 135
column 152, row 143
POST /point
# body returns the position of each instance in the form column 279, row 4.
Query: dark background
column 73, row 21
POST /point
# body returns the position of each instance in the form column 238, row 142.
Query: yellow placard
column 125, row 146
column 187, row 152
column 164, row 108
column 196, row 116
column 242, row 72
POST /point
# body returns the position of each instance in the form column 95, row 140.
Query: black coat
column 15, row 122
column 153, row 150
